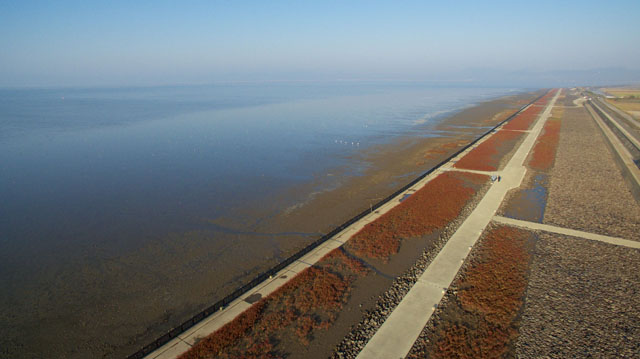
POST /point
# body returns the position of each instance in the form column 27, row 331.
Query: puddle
column 529, row 204
column 253, row 298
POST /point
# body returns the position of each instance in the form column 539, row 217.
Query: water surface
column 90, row 176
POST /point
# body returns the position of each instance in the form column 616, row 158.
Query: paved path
column 567, row 231
column 397, row 334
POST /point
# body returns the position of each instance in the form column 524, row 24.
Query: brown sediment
column 480, row 316
column 441, row 151
column 429, row 209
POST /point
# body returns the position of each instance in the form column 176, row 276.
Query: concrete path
column 567, row 231
column 397, row 334
column 488, row 173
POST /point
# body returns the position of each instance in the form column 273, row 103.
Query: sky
column 112, row 43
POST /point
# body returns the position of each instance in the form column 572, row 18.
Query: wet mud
column 142, row 294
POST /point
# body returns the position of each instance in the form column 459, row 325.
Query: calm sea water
column 80, row 164
column 99, row 172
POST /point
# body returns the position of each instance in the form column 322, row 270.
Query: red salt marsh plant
column 308, row 302
column 487, row 156
column 427, row 210
column 523, row 121
column 546, row 98
column 544, row 152
column 490, row 295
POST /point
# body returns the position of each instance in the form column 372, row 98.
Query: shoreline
column 420, row 147
column 183, row 260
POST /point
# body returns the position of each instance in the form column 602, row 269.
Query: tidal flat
column 127, row 211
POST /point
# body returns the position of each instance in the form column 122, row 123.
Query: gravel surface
column 587, row 191
column 356, row 340
column 583, row 300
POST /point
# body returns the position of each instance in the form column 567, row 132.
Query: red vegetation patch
column 429, row 209
column 308, row 302
column 523, row 121
column 544, row 152
column 487, row 156
column 490, row 295
column 339, row 259
column 228, row 335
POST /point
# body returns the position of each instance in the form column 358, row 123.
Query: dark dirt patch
column 253, row 298
column 528, row 202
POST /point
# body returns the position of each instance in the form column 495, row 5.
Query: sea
column 95, row 182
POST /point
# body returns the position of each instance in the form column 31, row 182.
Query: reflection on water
column 108, row 195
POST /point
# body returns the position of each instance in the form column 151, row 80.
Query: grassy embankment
column 627, row 99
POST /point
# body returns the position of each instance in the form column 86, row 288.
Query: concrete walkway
column 567, row 231
column 397, row 334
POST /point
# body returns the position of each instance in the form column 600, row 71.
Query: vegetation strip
column 486, row 156
column 431, row 208
column 413, row 312
column 480, row 318
column 264, row 276
column 308, row 302
column 313, row 298
column 544, row 152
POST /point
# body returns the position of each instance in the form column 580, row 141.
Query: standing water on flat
column 111, row 198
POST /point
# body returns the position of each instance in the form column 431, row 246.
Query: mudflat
column 126, row 309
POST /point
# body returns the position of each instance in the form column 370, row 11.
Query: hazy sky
column 162, row 42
